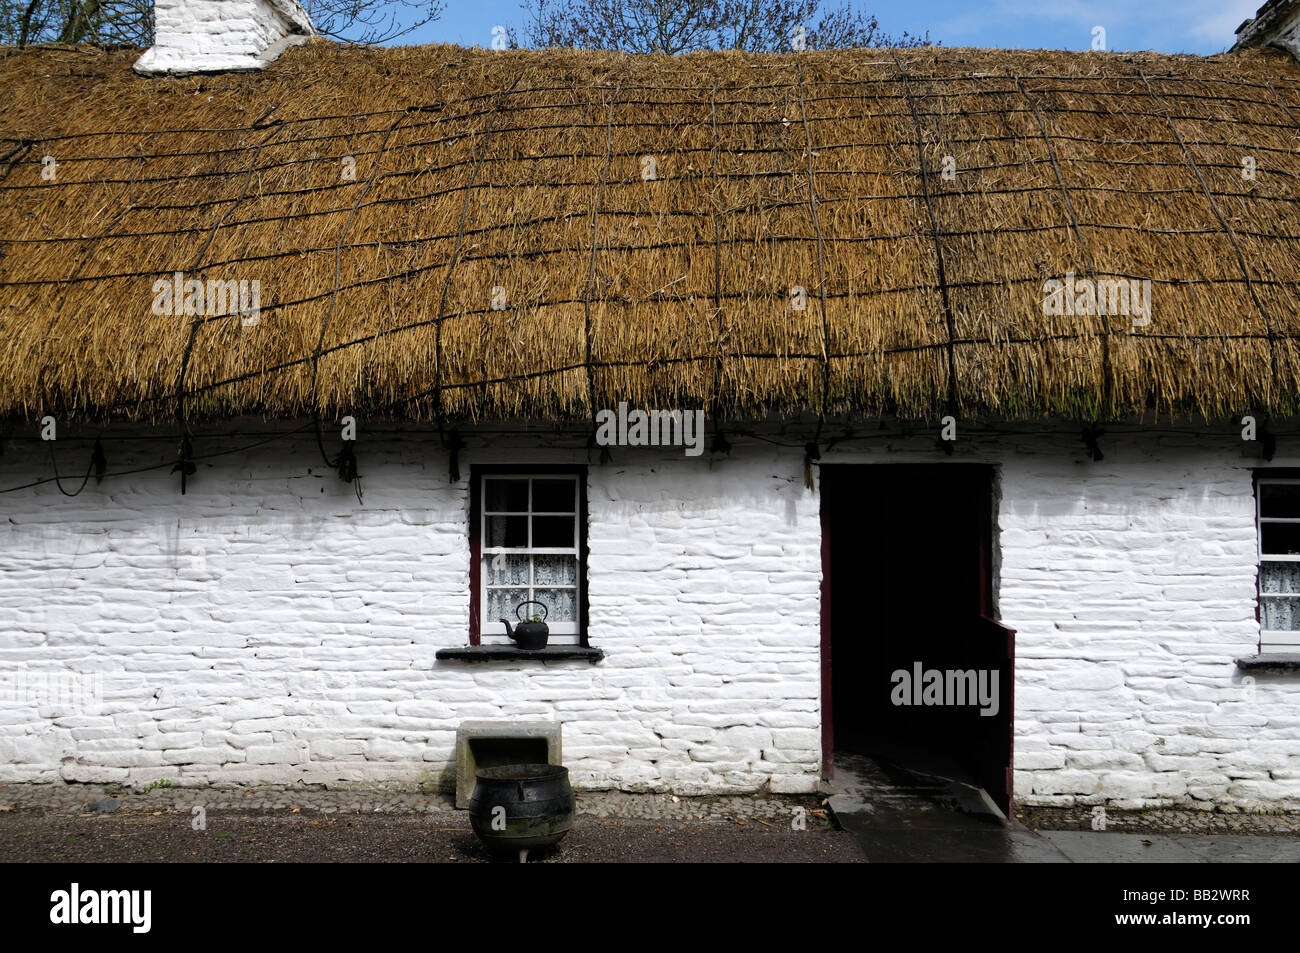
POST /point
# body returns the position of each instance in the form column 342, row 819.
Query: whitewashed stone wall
column 1132, row 584
column 198, row 36
column 265, row 628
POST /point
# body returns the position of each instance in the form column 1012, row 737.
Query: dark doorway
column 917, row 672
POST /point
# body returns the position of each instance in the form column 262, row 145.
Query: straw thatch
column 523, row 171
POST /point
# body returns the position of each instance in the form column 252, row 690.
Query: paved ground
column 898, row 815
column 76, row 799
column 267, row 836
column 886, row 815
column 74, row 823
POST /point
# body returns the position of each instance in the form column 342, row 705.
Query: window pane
column 554, row 496
column 507, row 531
column 1279, row 577
column 1281, row 615
column 501, row 605
column 553, row 531
column 562, row 604
column 506, row 570
column 559, row 571
column 1280, row 538
column 1279, row 499
column 506, row 496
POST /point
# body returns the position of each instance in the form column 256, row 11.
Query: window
column 529, row 545
column 1278, row 503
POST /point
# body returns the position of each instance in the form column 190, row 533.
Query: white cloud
column 1217, row 26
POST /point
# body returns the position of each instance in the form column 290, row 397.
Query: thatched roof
column 523, row 171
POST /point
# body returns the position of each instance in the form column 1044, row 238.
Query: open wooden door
column 993, row 649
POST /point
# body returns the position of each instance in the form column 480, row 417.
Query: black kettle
column 529, row 635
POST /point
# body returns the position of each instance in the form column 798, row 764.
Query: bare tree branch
column 113, row 22
column 370, row 22
column 682, row 26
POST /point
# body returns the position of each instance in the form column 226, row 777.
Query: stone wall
column 267, row 628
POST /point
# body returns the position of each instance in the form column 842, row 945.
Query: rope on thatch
column 658, row 88
column 562, row 369
column 876, row 327
column 934, row 233
column 1281, row 102
column 663, row 245
column 756, row 174
column 940, row 96
column 1268, row 447
column 591, row 271
column 12, row 157
column 184, row 463
column 760, row 205
column 138, row 402
column 339, row 461
column 720, row 444
column 1106, row 370
column 1274, row 392
column 455, row 257
column 196, row 269
column 821, row 270
column 82, row 259
column 756, row 207
column 944, row 79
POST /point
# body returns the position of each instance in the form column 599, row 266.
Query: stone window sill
column 1274, row 661
column 509, row 653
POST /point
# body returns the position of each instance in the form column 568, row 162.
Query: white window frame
column 1273, row 639
column 568, row 633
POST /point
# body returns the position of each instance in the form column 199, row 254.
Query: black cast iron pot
column 516, row 808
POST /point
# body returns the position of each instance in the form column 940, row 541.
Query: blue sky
column 1168, row 26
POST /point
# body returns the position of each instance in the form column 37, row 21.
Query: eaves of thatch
column 504, row 249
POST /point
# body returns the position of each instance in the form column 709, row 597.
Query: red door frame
column 987, row 608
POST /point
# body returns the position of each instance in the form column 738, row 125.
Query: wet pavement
column 280, row 837
column 1109, row 847
column 77, row 799
column 881, row 813
column 164, row 823
column 903, row 816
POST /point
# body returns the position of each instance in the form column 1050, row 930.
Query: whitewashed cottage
column 317, row 361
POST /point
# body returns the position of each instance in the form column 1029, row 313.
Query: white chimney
column 208, row 36
column 1276, row 23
